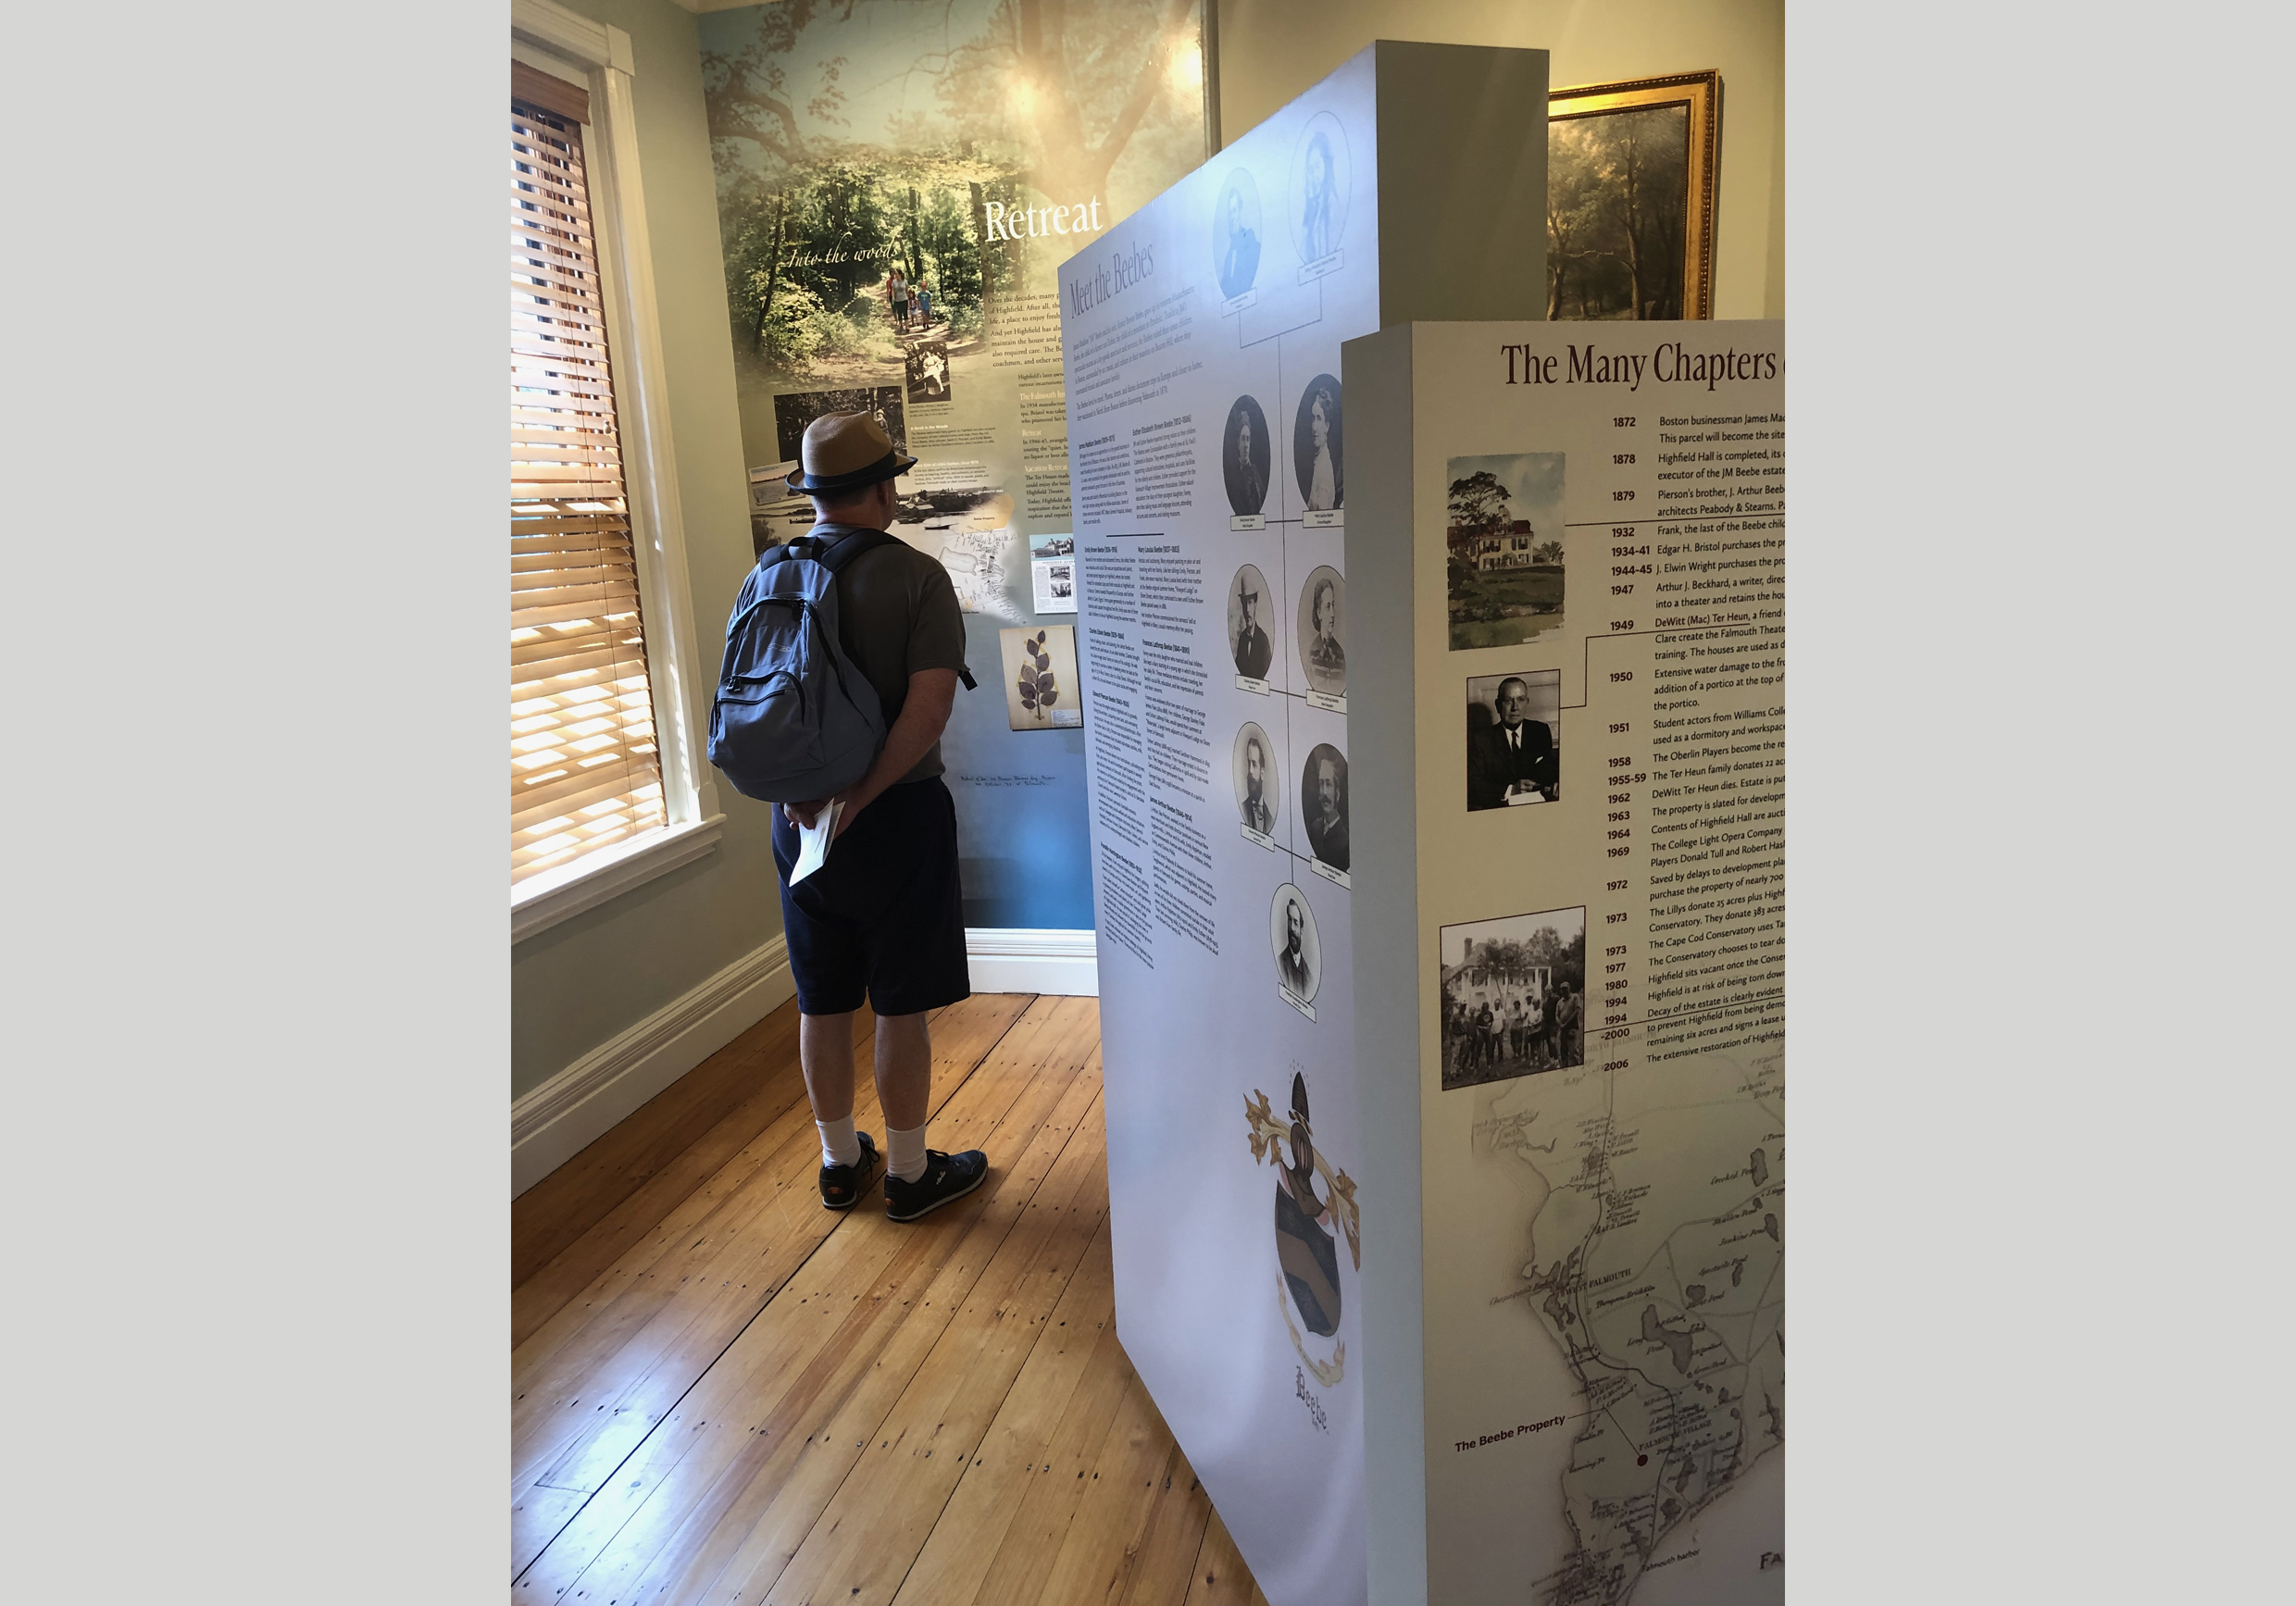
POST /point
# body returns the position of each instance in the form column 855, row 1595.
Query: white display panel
column 1590, row 623
column 1206, row 428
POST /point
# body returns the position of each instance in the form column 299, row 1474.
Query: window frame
column 600, row 58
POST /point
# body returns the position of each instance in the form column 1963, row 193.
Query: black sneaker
column 945, row 1176
column 840, row 1185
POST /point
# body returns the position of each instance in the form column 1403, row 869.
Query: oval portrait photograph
column 1257, row 788
column 1247, row 623
column 1292, row 932
column 1247, row 456
column 1323, row 803
column 1315, row 446
column 1236, row 235
column 1320, row 172
column 1320, row 631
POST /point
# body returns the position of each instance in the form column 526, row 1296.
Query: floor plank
column 698, row 1519
column 599, row 1375
column 550, row 1216
column 1220, row 1576
column 724, row 1394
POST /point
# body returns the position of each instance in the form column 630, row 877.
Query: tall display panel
column 1567, row 555
column 1208, row 421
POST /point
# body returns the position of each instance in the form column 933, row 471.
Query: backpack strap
column 836, row 555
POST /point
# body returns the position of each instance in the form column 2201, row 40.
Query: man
column 1326, row 660
column 1326, row 827
column 1240, row 264
column 1292, row 963
column 1569, row 1018
column 1251, row 484
column 1513, row 758
column 1252, row 652
column 1257, row 815
column 1486, row 1036
column 883, row 917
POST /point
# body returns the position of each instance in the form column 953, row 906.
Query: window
column 585, row 770
column 608, row 786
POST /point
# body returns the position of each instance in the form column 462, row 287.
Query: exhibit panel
column 893, row 218
column 1207, row 423
column 1573, row 1049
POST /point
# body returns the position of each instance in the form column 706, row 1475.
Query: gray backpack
column 795, row 720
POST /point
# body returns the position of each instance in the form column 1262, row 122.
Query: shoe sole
column 936, row 1204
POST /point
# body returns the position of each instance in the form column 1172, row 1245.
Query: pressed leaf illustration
column 1039, row 691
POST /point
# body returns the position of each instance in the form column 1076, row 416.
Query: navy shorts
column 884, row 917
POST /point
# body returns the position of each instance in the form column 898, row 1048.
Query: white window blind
column 585, row 773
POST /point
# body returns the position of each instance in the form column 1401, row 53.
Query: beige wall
column 578, row 983
column 1270, row 50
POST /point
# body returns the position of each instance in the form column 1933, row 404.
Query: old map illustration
column 1657, row 1269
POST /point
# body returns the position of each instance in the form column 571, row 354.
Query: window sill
column 542, row 902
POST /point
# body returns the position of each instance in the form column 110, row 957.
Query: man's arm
column 924, row 715
column 1484, row 790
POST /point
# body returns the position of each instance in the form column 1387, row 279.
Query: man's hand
column 853, row 799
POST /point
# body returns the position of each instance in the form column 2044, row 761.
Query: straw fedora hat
column 846, row 452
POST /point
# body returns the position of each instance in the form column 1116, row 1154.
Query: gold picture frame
column 1617, row 247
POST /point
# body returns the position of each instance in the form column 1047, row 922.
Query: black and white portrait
column 1514, row 739
column 1319, row 188
column 1246, row 456
column 1322, row 658
column 1247, row 626
column 1315, row 446
column 1512, row 996
column 795, row 410
column 1323, row 805
column 1236, row 233
column 929, row 371
column 1255, row 777
column 1291, row 931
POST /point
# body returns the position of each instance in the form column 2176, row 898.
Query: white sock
column 840, row 1146
column 905, row 1152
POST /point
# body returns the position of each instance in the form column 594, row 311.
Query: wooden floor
column 722, row 1392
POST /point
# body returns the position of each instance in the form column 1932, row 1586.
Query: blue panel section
column 1021, row 828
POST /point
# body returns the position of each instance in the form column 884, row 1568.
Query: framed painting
column 1630, row 180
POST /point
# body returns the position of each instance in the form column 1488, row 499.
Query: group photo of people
column 909, row 301
column 1514, row 996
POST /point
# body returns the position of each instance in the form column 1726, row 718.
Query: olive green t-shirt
column 897, row 614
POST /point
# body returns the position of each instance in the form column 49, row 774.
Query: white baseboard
column 1001, row 960
column 556, row 1121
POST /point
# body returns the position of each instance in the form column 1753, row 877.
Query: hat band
column 885, row 467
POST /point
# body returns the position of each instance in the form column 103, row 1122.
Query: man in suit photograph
column 1257, row 815
column 1240, row 263
column 1292, row 963
column 1248, row 481
column 1252, row 652
column 1327, row 825
column 1513, row 758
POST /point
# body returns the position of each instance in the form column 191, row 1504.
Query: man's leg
column 825, row 1053
column 916, row 1179
column 903, row 1087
